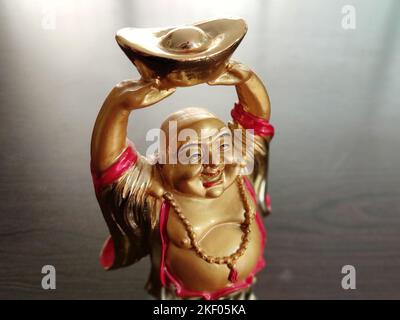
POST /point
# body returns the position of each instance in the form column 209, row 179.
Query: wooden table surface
column 335, row 159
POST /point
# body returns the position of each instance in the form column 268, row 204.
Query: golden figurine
column 198, row 218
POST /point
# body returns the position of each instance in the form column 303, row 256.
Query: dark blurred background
column 335, row 159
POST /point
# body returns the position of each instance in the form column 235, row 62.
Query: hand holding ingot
column 234, row 73
column 137, row 94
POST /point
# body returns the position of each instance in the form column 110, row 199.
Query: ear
column 242, row 152
column 156, row 188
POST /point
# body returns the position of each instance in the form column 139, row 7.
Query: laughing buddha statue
column 197, row 211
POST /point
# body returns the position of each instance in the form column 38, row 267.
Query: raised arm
column 119, row 167
column 109, row 137
column 254, row 97
column 251, row 92
column 252, row 112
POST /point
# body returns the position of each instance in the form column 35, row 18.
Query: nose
column 212, row 165
column 215, row 163
column 214, row 159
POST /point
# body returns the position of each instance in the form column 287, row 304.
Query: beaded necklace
column 229, row 261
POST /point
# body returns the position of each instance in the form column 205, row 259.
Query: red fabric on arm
column 260, row 126
column 107, row 254
column 126, row 160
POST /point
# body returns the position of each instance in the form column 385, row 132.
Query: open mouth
column 211, row 179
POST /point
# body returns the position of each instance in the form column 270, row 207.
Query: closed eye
column 194, row 158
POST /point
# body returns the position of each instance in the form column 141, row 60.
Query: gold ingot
column 184, row 55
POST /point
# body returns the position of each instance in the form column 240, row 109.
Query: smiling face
column 204, row 165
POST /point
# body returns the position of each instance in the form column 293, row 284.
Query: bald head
column 193, row 125
column 187, row 117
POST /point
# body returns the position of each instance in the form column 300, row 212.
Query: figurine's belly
column 221, row 240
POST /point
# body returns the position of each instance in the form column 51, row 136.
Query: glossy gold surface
column 335, row 164
column 217, row 226
column 184, row 55
column 215, row 209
